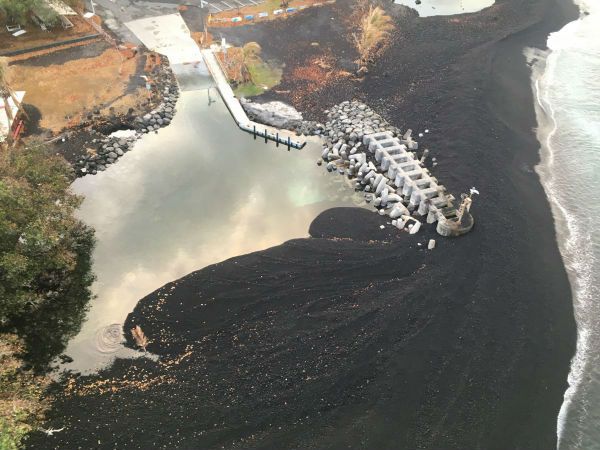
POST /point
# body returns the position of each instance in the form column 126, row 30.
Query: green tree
column 44, row 251
column 17, row 11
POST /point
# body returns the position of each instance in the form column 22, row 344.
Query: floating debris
column 139, row 337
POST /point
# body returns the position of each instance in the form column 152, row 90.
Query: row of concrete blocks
column 398, row 162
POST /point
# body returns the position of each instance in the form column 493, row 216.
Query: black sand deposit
column 358, row 337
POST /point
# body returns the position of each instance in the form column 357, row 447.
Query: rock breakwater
column 104, row 151
column 360, row 144
column 99, row 146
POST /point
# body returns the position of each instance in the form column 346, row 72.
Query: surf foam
column 566, row 83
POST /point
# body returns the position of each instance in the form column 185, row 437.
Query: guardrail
column 52, row 45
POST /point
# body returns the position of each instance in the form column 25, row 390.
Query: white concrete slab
column 445, row 7
column 229, row 98
column 167, row 35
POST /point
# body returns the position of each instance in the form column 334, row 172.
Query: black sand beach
column 357, row 337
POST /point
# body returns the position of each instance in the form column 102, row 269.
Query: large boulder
column 276, row 114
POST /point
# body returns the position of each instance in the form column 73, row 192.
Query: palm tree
column 7, row 93
column 251, row 50
column 251, row 55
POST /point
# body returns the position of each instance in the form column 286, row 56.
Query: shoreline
column 83, row 144
column 357, row 329
column 571, row 236
column 543, row 169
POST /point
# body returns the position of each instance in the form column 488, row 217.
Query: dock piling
column 235, row 107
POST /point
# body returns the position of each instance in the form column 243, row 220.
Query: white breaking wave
column 566, row 83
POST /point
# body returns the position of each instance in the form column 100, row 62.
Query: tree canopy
column 17, row 11
column 44, row 249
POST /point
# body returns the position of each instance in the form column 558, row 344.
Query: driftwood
column 140, row 338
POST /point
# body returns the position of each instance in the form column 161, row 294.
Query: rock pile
column 108, row 151
column 276, row 114
column 162, row 115
column 350, row 121
column 280, row 115
column 103, row 152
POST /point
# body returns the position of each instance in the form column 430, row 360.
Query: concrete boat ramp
column 170, row 36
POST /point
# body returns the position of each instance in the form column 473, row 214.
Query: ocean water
column 445, row 7
column 566, row 82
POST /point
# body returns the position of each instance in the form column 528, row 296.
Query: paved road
column 116, row 13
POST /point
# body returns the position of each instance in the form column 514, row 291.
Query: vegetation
column 44, row 280
column 20, row 393
column 374, row 29
column 44, row 250
column 251, row 51
column 248, row 89
column 19, row 11
column 259, row 75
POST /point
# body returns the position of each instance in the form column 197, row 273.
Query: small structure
column 61, row 9
column 11, row 122
column 415, row 185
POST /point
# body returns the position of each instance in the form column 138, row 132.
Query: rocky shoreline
column 106, row 151
column 101, row 147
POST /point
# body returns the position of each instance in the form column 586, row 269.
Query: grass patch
column 248, row 90
column 264, row 75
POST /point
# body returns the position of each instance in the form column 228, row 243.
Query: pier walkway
column 170, row 36
column 238, row 113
